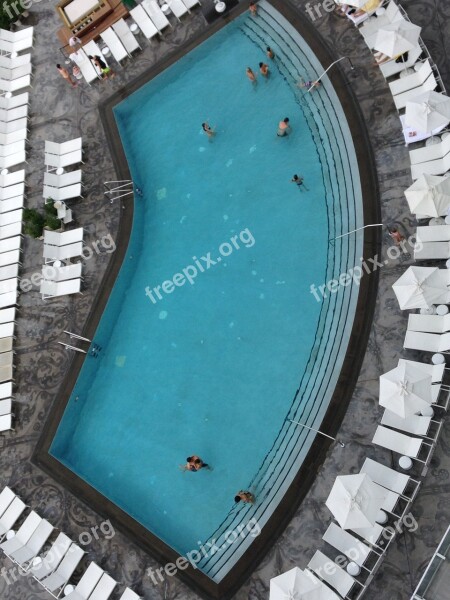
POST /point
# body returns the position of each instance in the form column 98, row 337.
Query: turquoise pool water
column 212, row 366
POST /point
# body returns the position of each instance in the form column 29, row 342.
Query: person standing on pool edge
column 283, row 127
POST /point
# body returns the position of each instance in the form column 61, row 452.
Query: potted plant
column 35, row 222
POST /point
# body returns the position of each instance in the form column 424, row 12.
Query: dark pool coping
column 303, row 480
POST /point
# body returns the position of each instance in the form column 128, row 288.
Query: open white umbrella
column 355, row 501
column 420, row 287
column 295, row 585
column 429, row 196
column 405, row 390
column 428, row 111
column 397, row 38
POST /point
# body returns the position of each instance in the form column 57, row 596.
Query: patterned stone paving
column 59, row 112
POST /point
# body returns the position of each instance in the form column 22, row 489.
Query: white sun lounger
column 143, row 21
column 9, row 258
column 65, row 160
column 11, row 204
column 92, row 49
column 63, row 193
column 12, row 62
column 20, row 112
column 6, row 330
column 56, row 238
column 34, row 545
column 6, row 162
column 87, row 583
column 178, row 8
column 80, row 58
column 155, row 13
column 192, row 3
column 53, row 557
column 13, row 148
column 17, row 189
column 376, row 536
column 400, row 100
column 336, row 577
column 6, row 390
column 11, row 230
column 59, row 578
column 430, row 153
column 6, row 358
column 7, row 85
column 433, row 234
column 427, row 342
column 104, row 588
column 118, row 50
column 6, row 497
column 12, row 178
column 61, row 252
column 51, row 289
column 6, row 423
column 126, row 36
column 432, row 251
column 433, row 167
column 66, row 179
column 403, row 84
column 130, row 595
column 414, row 424
column 25, row 34
column 23, row 534
column 13, row 136
column 64, row 147
column 8, row 285
column 10, row 48
column 349, row 545
column 13, row 126
column 6, row 344
column 5, row 407
column 14, row 101
column 50, row 273
column 8, row 299
column 13, row 512
column 391, row 68
column 403, row 444
column 429, row 323
column 16, row 72
column 11, row 243
column 7, row 315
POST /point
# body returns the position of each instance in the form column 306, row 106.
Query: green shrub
column 34, row 221
column 9, row 13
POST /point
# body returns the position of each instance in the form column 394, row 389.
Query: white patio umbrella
column 429, row 196
column 355, row 501
column 420, row 287
column 428, row 111
column 397, row 38
column 405, row 390
column 295, row 585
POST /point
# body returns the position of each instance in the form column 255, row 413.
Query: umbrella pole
column 318, row 431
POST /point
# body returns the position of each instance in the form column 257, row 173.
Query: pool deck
column 42, row 363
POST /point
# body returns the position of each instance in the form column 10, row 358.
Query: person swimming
column 208, row 130
column 283, row 127
column 250, row 75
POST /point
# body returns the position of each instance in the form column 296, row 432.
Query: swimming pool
column 215, row 367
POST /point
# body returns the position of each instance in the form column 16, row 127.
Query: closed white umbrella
column 429, row 196
column 295, row 585
column 397, row 38
column 428, row 111
column 355, row 501
column 405, row 390
column 420, row 287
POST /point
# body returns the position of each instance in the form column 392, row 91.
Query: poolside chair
column 13, row 216
column 7, row 85
column 13, row 148
column 31, row 549
column 9, row 258
column 193, row 3
column 130, row 595
column 391, row 68
column 11, row 204
column 143, row 21
column 6, row 345
column 56, row 238
column 404, row 444
column 11, row 243
column 430, row 153
column 432, row 251
column 404, row 84
column 63, row 193
column 14, row 101
column 89, row 72
column 439, row 166
column 87, row 583
column 13, row 136
column 429, row 323
column 6, row 162
column 66, row 179
column 12, row 190
column 155, row 13
column 7, row 273
column 5, row 406
column 21, row 35
column 51, row 560
column 23, row 534
column 104, row 588
column 118, row 50
column 54, row 161
column 20, row 112
column 92, row 49
column 16, row 72
column 6, row 390
column 11, row 230
column 64, row 147
column 336, row 577
column 430, row 84
column 6, row 497
column 12, row 62
column 6, row 423
column 12, row 126
column 8, row 299
column 52, row 289
column 433, row 234
column 12, row 178
column 427, row 342
column 126, row 36
column 61, row 273
column 52, row 253
column 178, row 8
column 353, row 548
column 8, row 285
column 14, row 510
column 376, row 536
column 60, row 577
column 414, row 424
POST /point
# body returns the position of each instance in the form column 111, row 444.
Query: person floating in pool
column 264, row 69
column 250, row 75
column 270, row 53
column 300, row 183
column 194, row 463
column 283, row 127
column 253, row 9
column 309, row 85
column 208, row 130
column 246, row 497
